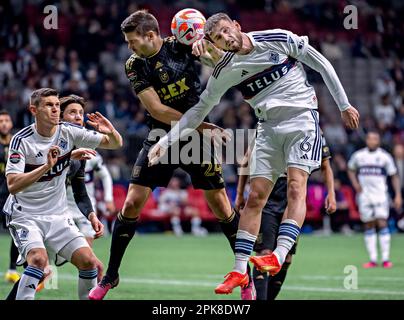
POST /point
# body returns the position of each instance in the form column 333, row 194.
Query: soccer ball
column 187, row 26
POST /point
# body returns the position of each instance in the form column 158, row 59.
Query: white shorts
column 289, row 138
column 372, row 210
column 56, row 233
column 82, row 222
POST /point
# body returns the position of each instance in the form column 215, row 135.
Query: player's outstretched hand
column 52, row 157
column 330, row 204
column 100, row 123
column 83, row 154
column 155, row 153
column 218, row 135
column 398, row 203
column 350, row 117
column 98, row 227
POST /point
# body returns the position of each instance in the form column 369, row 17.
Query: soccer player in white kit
column 72, row 111
column 36, row 209
column 265, row 67
column 368, row 171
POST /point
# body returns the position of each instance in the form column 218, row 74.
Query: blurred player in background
column 265, row 66
column 163, row 74
column 6, row 125
column 267, row 287
column 72, row 111
column 173, row 201
column 368, row 171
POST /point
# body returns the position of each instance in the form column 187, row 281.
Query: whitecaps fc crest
column 63, row 144
column 274, row 57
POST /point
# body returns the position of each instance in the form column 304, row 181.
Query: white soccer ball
column 187, row 26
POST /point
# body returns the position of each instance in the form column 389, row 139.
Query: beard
column 237, row 43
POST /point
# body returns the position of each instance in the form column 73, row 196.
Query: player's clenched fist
column 52, row 157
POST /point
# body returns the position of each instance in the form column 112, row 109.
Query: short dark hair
column 212, row 22
column 37, row 95
column 65, row 101
column 141, row 22
column 4, row 112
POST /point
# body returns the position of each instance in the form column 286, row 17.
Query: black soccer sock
column 123, row 232
column 261, row 283
column 275, row 282
column 230, row 226
column 13, row 293
column 13, row 256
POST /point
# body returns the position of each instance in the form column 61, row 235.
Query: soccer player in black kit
column 162, row 73
column 6, row 125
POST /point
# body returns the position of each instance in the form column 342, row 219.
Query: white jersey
column 372, row 168
column 28, row 151
column 94, row 166
column 270, row 76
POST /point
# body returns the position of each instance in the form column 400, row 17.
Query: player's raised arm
column 111, row 139
column 318, row 62
column 163, row 113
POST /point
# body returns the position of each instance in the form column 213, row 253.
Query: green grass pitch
column 164, row 267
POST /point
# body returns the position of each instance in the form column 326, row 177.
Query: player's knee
column 88, row 261
column 256, row 200
column 132, row 207
column 295, row 190
column 38, row 260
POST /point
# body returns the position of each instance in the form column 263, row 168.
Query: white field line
column 177, row 282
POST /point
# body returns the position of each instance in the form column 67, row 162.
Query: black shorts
column 206, row 176
column 272, row 217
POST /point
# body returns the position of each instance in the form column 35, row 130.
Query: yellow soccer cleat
column 12, row 276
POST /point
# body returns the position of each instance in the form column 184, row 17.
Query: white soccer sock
column 28, row 283
column 195, row 223
column 371, row 244
column 176, row 224
column 87, row 281
column 384, row 241
column 288, row 232
column 243, row 248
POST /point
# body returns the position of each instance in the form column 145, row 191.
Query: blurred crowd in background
column 86, row 56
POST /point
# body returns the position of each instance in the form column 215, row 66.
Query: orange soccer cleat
column 268, row 263
column 232, row 280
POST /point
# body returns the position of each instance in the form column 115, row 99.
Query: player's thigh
column 150, row 176
column 382, row 212
column 206, row 176
column 366, row 211
column 303, row 144
column 297, row 183
column 27, row 234
column 260, row 189
column 63, row 238
column 267, row 158
column 219, row 203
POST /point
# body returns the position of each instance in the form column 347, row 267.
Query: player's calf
column 86, row 262
column 37, row 260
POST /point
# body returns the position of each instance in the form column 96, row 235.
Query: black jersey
column 171, row 72
column 3, row 182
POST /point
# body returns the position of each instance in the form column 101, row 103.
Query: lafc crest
column 164, row 76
